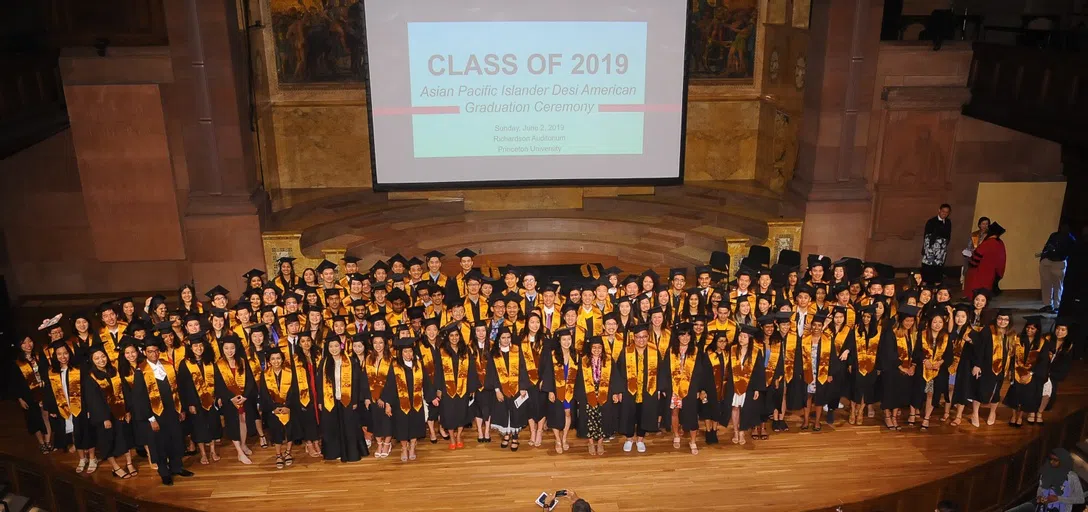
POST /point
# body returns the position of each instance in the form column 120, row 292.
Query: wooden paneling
column 124, row 167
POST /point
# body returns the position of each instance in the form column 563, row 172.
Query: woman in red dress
column 987, row 264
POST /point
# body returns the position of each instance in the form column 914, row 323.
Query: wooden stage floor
column 864, row 468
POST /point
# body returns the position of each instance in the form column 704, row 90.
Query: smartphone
column 541, row 501
column 560, row 493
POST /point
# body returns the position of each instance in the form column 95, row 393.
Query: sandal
column 505, row 442
column 817, row 427
column 676, row 442
column 123, row 475
column 279, row 462
column 215, row 457
column 592, row 448
column 763, row 437
column 44, row 448
column 956, row 422
column 264, row 442
column 558, row 447
column 288, row 460
column 92, row 466
column 132, row 471
column 736, row 438
column 81, row 466
column 411, row 455
column 514, row 445
column 694, row 448
column 925, row 424
column 204, row 460
column 404, row 455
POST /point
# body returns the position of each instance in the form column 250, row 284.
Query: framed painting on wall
column 319, row 41
column 723, row 40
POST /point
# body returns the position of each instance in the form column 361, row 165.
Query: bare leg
column 734, row 421
column 242, row 433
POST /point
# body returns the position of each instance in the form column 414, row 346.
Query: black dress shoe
column 167, row 480
column 185, row 473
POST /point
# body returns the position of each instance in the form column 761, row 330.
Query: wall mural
column 723, row 44
column 319, row 41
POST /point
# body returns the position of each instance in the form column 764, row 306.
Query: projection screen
column 512, row 93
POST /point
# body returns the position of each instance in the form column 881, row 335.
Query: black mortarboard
column 631, row 278
column 568, row 307
column 650, row 273
column 164, row 326
column 110, row 305
column 466, row 253
column 549, row 287
column 906, row 310
column 995, row 229
column 981, row 291
column 806, row 289
column 1035, row 320
column 884, row 271
column 397, row 258
column 397, row 277
column 403, row 343
column 783, row 316
column 820, row 316
column 240, row 306
column 351, row 259
column 375, row 317
column 963, row 306
column 290, row 319
column 637, row 328
column 416, row 312
column 594, row 340
column 413, row 261
column 1063, row 321
column 682, row 328
column 766, row 320
column 612, row 271
column 510, row 269
column 332, row 292
column 565, row 331
column 611, row 315
column 325, row 265
column 907, row 295
column 285, row 259
column 818, row 259
column 379, row 265
column 253, row 272
column 753, row 331
column 397, row 294
column 474, row 275
column 656, row 309
column 434, row 254
column 1004, row 312
column 430, row 321
column 702, row 269
column 219, row 312
column 679, row 271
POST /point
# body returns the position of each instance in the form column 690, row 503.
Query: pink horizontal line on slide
column 407, row 111
column 633, row 107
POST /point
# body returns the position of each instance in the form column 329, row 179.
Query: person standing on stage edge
column 1052, row 266
column 935, row 246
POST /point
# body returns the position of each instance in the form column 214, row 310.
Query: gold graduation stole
column 345, row 386
column 303, row 382
column 460, row 283
column 902, row 338
column 235, row 380
column 998, row 360
column 508, row 374
column 33, row 381
column 152, row 384
column 661, row 342
column 481, row 366
column 957, row 350
column 934, row 352
column 776, row 352
column 130, row 378
column 427, row 356
column 647, row 363
column 824, row 361
column 531, row 357
column 377, row 372
column 805, row 342
column 204, row 381
column 790, row 344
column 564, row 385
column 1026, row 361
column 74, row 404
column 742, row 370
column 278, row 391
column 108, row 343
column 866, row 352
column 718, row 366
column 456, row 385
column 596, row 392
column 681, row 375
column 415, row 403
column 611, row 348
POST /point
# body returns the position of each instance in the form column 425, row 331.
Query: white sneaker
column 641, row 447
column 627, row 445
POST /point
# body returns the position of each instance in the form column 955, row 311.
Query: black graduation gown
column 483, row 397
column 644, row 415
column 797, row 387
column 307, row 415
column 701, row 379
column 168, row 444
column 843, row 376
column 453, row 410
column 82, row 435
column 966, row 386
column 379, row 424
column 410, row 425
column 109, row 442
column 205, row 424
column 504, row 413
column 828, row 392
column 773, row 391
column 341, row 435
column 537, row 406
column 898, row 386
column 276, row 431
column 989, row 383
column 430, row 412
column 230, row 413
column 1059, row 368
column 863, row 387
column 940, row 381
column 556, row 411
column 141, row 430
column 1028, row 397
column 751, row 411
column 715, row 386
column 608, row 409
column 20, row 387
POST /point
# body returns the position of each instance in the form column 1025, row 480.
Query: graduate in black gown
column 717, row 360
column 196, row 386
column 406, row 388
column 129, row 365
column 155, row 400
column 899, row 366
column 770, row 343
column 535, row 341
column 508, row 379
column 454, row 384
column 689, row 379
column 647, row 383
column 104, row 401
column 868, row 333
column 236, row 395
column 71, row 428
column 307, row 415
column 991, row 355
column 1029, row 362
column 960, row 389
column 29, row 386
column 279, row 399
column 377, row 364
column 1061, row 356
column 934, row 356
column 341, row 391
column 745, row 383
column 559, row 376
column 483, row 397
column 596, row 395
column 842, row 350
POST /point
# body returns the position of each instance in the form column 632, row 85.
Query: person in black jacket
column 935, row 245
column 155, row 400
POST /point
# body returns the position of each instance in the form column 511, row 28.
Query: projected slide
column 583, row 96
column 491, row 92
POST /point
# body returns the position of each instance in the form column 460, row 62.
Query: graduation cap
column 1063, row 321
column 434, row 254
column 341, row 318
column 474, row 275
column 379, row 333
column 351, row 259
column 806, row 289
column 397, row 277
column 884, row 271
column 403, row 343
column 683, row 328
column 753, row 331
column 357, row 277
column 656, row 309
column 702, row 269
column 163, row 327
column 767, row 320
column 270, row 287
column 637, row 328
column 510, row 269
column 108, row 305
column 264, row 309
column 981, row 291
column 196, row 337
column 329, row 292
column 466, row 253
column 1000, row 312
column 612, row 271
column 678, row 271
column 431, row 321
column 285, row 259
column 375, row 317
column 416, row 312
column 852, row 267
column 397, row 294
column 1035, row 320
column 650, row 273
column 746, row 271
column 568, row 307
column 839, row 288
column 593, row 340
column 995, row 229
column 325, row 265
column 240, row 306
column 291, row 318
column 48, row 323
column 631, row 278
column 379, row 265
column 361, row 337
column 611, row 315
column 819, row 260
column 565, row 331
column 907, row 295
column 907, row 310
column 495, row 282
column 780, row 273
column 397, row 258
column 413, row 261
column 963, row 306
column 820, row 316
